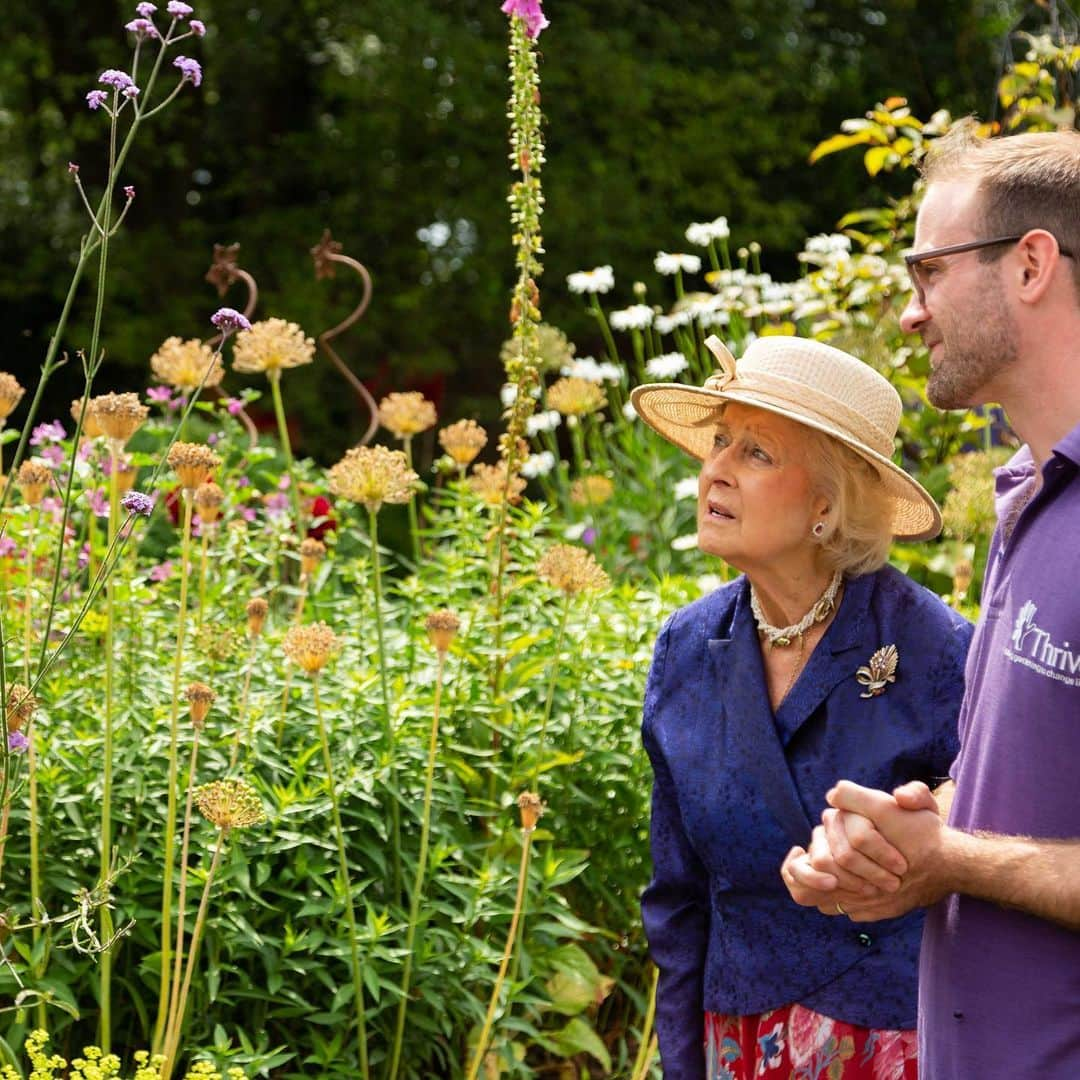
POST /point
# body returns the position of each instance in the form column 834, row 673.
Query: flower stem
column 346, row 887
column 243, row 710
column 170, row 813
column 421, row 866
column 286, row 448
column 551, row 691
column 511, row 938
column 414, row 517
column 647, row 1046
column 204, row 545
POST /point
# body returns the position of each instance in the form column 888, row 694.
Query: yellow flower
column 442, row 627
column 489, row 483
column 192, row 462
column 591, row 490
column 183, row 364
column 270, row 346
column 118, row 416
column 207, row 500
column 230, row 804
column 10, row 395
column 373, row 475
column 571, row 569
column 463, row 441
column 310, row 646
column 406, row 414
column 573, row 396
column 199, row 697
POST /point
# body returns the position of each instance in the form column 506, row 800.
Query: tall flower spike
column 33, row 480
column 310, row 646
column 463, row 441
column 270, row 346
column 571, row 569
column 185, row 365
column 230, row 804
column 10, row 395
column 118, row 415
column 199, row 697
column 442, row 627
column 373, row 475
column 193, row 463
column 406, row 414
column 257, row 608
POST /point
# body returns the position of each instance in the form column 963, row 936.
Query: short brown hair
column 1027, row 181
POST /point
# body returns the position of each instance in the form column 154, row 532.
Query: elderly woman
column 820, row 661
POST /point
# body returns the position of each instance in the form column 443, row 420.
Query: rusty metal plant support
column 325, row 254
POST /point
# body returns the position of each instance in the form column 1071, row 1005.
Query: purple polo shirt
column 999, row 990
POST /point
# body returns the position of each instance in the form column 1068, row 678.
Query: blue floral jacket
column 735, row 787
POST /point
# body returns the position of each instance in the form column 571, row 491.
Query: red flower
column 320, row 512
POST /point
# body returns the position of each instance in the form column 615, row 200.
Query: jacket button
column 866, row 940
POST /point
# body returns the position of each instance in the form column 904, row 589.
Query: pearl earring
column 819, row 529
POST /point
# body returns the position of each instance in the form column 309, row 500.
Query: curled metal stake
column 224, row 272
column 325, row 254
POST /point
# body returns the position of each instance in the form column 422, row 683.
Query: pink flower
column 7, row 546
column 234, row 405
column 529, row 10
column 99, row 502
column 162, row 572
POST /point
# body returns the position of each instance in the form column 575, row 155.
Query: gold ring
column 839, row 909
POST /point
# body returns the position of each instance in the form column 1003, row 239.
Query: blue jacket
column 735, row 787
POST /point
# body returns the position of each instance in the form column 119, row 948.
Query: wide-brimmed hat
column 814, row 385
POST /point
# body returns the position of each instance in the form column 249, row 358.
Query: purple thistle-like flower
column 17, row 742
column 135, row 502
column 198, row 27
column 129, row 192
column 72, row 167
column 529, row 10
column 179, row 10
column 142, row 28
column 96, row 98
column 228, row 320
column 118, row 80
column 146, row 9
column 189, row 69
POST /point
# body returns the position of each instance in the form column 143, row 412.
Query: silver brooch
column 881, row 671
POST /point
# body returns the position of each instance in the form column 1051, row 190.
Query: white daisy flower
column 629, row 412
column 637, row 317
column 665, row 324
column 672, row 263
column 703, row 233
column 587, row 368
column 600, row 279
column 543, row 421
column 667, row 366
column 687, row 488
column 538, row 464
column 685, row 543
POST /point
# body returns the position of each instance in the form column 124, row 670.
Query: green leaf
column 579, row 1037
column 835, row 143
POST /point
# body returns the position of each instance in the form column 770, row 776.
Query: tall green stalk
column 551, row 688
column 414, row 515
column 283, row 434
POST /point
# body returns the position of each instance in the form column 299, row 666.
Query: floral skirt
column 796, row 1043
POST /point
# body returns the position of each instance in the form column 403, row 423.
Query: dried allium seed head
column 532, row 809
column 406, row 414
column 125, row 476
column 257, row 608
column 271, row 346
column 91, row 429
column 373, row 475
column 312, row 552
column 207, row 500
column 199, row 697
column 11, row 393
column 20, row 706
column 33, row 480
column 230, row 804
column 442, row 627
column 186, row 364
column 463, row 441
column 591, row 490
column 310, row 646
column 489, row 483
column 193, row 463
column 571, row 569
column 118, row 416
column 573, row 396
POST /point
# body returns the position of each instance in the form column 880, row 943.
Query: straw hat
column 812, row 384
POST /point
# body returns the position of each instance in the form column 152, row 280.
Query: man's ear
column 1039, row 256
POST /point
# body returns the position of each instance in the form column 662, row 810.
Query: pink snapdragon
column 530, row 12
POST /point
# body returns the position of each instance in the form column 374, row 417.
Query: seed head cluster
column 118, row 416
column 257, row 608
column 20, row 706
column 230, row 804
column 310, row 646
column 312, row 553
column 574, row 396
column 489, row 483
column 186, row 364
column 192, row 462
column 532, row 809
column 406, row 414
column 33, row 480
column 373, row 475
column 11, row 393
column 270, row 346
column 442, row 627
column 463, row 441
column 207, row 501
column 199, row 697
column 91, row 429
column 591, row 490
column 571, row 569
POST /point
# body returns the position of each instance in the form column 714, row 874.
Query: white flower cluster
column 600, row 279
column 542, row 421
column 703, row 233
column 587, row 368
column 636, row 317
column 538, row 464
column 667, row 366
column 673, row 263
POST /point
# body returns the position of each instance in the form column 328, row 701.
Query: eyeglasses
column 918, row 272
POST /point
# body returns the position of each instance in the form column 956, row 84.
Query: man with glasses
column 996, row 298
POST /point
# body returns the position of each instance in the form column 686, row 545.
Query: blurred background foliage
column 385, row 121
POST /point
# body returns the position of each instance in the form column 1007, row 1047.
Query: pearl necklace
column 785, row 635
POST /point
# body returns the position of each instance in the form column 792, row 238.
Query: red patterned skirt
column 796, row 1043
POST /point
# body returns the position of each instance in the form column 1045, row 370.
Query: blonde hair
column 1027, row 181
column 858, row 526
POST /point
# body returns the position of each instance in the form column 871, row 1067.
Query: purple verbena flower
column 135, row 502
column 72, row 167
column 130, row 92
column 118, row 80
column 228, row 319
column 17, row 742
column 212, row 439
column 588, row 537
column 190, row 70
column 179, row 10
column 529, row 10
column 48, row 432
column 198, row 28
column 142, row 28
column 96, row 98
column 129, row 192
column 145, row 9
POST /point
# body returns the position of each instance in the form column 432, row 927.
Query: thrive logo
column 1036, row 649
